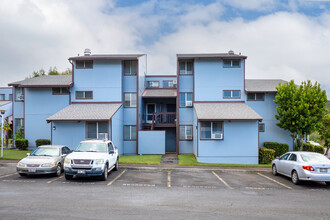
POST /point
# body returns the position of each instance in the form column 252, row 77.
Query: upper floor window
column 60, row 91
column 19, row 94
column 231, row 63
column 130, row 100
column 231, row 94
column 186, row 67
column 97, row 130
column 186, row 99
column 129, row 132
column 11, row 97
column 169, row 83
column 84, row 64
column 130, row 67
column 186, row 132
column 255, row 96
column 261, row 127
column 212, row 130
column 2, row 97
column 153, row 84
column 84, row 94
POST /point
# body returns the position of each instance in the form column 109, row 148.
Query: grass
column 189, row 160
column 13, row 154
column 140, row 159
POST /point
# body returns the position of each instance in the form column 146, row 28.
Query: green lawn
column 140, row 159
column 13, row 154
column 189, row 160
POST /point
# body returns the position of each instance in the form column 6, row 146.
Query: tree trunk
column 327, row 152
column 301, row 142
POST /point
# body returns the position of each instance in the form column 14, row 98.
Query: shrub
column 266, row 155
column 319, row 149
column 22, row 144
column 307, row 147
column 40, row 142
column 279, row 148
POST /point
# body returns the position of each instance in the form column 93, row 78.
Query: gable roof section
column 45, row 81
column 86, row 112
column 3, row 103
column 225, row 111
column 262, row 85
column 157, row 93
column 108, row 57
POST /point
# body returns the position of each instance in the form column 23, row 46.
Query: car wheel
column 68, row 177
column 58, row 170
column 105, row 173
column 116, row 165
column 22, row 174
column 274, row 170
column 328, row 183
column 295, row 177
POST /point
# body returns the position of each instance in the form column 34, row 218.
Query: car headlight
column 20, row 164
column 67, row 161
column 48, row 165
column 99, row 162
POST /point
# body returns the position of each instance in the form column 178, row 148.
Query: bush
column 279, row 148
column 312, row 148
column 266, row 155
column 40, row 142
column 319, row 149
column 22, row 144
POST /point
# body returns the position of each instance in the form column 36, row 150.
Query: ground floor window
column 129, row 132
column 97, row 130
column 261, row 127
column 19, row 127
column 185, row 132
column 212, row 130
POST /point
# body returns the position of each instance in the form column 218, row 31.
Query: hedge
column 312, row 148
column 279, row 148
column 40, row 142
column 22, row 144
column 266, row 155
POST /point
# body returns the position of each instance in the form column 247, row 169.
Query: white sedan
column 301, row 165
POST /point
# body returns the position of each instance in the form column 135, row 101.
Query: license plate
column 323, row 170
column 81, row 171
column 32, row 170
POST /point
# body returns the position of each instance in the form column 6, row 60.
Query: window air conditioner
column 188, row 103
column 217, row 136
column 174, row 83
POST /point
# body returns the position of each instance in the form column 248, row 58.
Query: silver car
column 306, row 166
column 44, row 160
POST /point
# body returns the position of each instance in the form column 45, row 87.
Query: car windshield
column 53, row 152
column 92, row 147
column 314, row 158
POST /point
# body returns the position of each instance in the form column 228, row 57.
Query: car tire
column 328, row 183
column 58, row 170
column 295, row 177
column 68, row 177
column 105, row 173
column 116, row 165
column 22, row 174
column 274, row 170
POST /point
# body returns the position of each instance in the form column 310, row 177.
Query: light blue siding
column 129, row 116
column 186, row 147
column 152, row 142
column 117, row 130
column 68, row 133
column 6, row 91
column 186, row 83
column 130, row 147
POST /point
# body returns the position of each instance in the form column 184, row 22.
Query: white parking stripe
column 224, row 182
column 117, row 177
column 53, row 180
column 169, row 179
column 8, row 175
column 275, row 181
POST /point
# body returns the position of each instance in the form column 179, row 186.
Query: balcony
column 160, row 120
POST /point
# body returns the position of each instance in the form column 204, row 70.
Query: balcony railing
column 163, row 119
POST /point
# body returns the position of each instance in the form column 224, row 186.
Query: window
column 293, row 157
column 2, row 97
column 169, row 84
column 110, row 148
column 186, row 132
column 285, row 156
column 212, row 130
column 130, row 67
column 97, row 130
column 231, row 63
column 19, row 94
column 130, row 100
column 261, row 127
column 66, row 150
column 11, row 97
column 231, row 94
column 255, row 96
column 84, row 94
column 60, row 91
column 129, row 132
column 153, row 84
column 19, row 125
column 186, row 67
column 84, row 64
column 185, row 99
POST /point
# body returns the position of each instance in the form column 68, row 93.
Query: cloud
column 255, row 5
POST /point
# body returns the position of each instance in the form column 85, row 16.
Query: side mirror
column 111, row 152
column 278, row 158
column 28, row 154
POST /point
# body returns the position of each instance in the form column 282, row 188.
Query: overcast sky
column 282, row 39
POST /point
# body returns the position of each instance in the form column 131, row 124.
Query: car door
column 65, row 151
column 282, row 163
column 290, row 164
column 111, row 155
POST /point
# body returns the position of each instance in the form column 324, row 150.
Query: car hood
column 86, row 155
column 39, row 159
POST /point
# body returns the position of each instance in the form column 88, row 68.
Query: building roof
column 211, row 55
column 108, row 57
column 157, row 93
column 86, row 112
column 45, row 81
column 225, row 111
column 2, row 103
column 262, row 85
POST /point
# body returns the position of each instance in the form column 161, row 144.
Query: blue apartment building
column 207, row 108
column 6, row 97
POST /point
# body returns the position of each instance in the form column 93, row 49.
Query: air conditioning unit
column 188, row 103
column 103, row 136
column 216, row 136
column 174, row 83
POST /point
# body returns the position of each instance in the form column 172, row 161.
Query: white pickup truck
column 92, row 158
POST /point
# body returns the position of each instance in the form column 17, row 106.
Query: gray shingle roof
column 2, row 103
column 86, row 112
column 45, row 81
column 225, row 111
column 154, row 93
column 262, row 85
column 211, row 55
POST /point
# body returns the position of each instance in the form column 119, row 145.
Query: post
column 2, row 116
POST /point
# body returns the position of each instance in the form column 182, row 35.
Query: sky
column 287, row 40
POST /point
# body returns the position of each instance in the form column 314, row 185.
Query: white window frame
column 188, row 103
column 131, row 138
column 150, row 84
column 213, row 134
column 84, row 94
column 171, row 84
column 231, row 94
column 186, row 71
column 84, row 62
column 231, row 63
column 131, row 103
column 21, row 97
column 97, row 130
column 186, row 136
column 131, row 72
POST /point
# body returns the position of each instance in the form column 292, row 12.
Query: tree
column 53, row 71
column 324, row 132
column 6, row 128
column 68, row 71
column 41, row 72
column 300, row 109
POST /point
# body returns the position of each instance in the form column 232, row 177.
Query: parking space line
column 53, row 180
column 275, row 181
column 224, row 182
column 117, row 177
column 7, row 175
column 168, row 178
